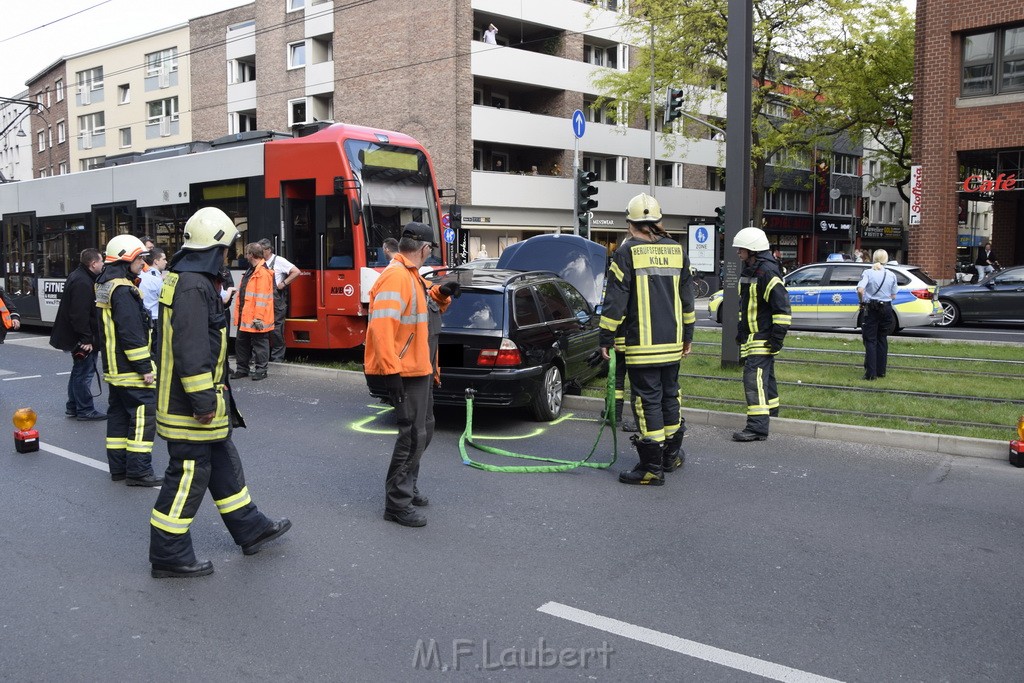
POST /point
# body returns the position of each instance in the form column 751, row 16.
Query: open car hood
column 579, row 261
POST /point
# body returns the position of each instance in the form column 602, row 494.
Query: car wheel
column 896, row 328
column 547, row 403
column 950, row 313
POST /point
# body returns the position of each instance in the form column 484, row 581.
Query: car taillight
column 504, row 356
column 922, row 293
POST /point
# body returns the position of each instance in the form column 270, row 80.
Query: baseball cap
column 421, row 232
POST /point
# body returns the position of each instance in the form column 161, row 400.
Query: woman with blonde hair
column 877, row 290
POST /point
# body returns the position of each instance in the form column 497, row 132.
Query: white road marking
column 11, row 379
column 63, row 373
column 691, row 648
column 57, row 450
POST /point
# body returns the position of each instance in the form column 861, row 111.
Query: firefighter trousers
column 656, row 400
column 415, row 415
column 194, row 468
column 762, row 393
column 131, row 426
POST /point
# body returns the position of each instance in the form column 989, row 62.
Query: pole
column 575, row 187
column 740, row 50
column 650, row 173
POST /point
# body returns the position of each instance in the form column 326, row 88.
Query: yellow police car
column 824, row 295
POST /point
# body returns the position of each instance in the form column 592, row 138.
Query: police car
column 824, row 295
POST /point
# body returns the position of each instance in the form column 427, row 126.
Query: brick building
column 968, row 132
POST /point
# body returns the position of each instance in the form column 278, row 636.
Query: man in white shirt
column 152, row 279
column 490, row 35
column 284, row 273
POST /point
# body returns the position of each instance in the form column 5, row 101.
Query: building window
column 993, row 62
column 844, row 164
column 158, row 109
column 90, row 163
column 62, row 134
column 47, row 98
column 499, row 101
column 296, row 55
column 786, row 200
column 41, row 138
column 124, row 93
column 242, row 121
column 162, row 61
column 297, row 111
column 243, row 70
column 62, row 168
column 49, row 136
column 60, row 89
column 125, row 137
column 90, row 79
column 294, row 5
column 842, row 205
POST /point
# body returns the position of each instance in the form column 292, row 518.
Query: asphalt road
column 791, row 559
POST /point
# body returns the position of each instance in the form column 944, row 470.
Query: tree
column 802, row 52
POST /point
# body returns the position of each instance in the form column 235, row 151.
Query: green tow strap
column 607, row 421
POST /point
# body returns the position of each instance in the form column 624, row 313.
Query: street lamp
column 49, row 139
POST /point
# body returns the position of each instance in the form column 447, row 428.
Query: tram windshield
column 396, row 189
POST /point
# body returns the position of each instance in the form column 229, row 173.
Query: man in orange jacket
column 401, row 358
column 254, row 316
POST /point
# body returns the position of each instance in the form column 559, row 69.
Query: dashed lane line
column 12, row 379
column 691, row 648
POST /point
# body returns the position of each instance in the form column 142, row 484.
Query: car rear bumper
column 495, row 388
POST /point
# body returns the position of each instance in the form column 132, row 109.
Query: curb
column 920, row 441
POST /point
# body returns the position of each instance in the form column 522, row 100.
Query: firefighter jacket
column 8, row 313
column 124, row 327
column 397, row 334
column 254, row 304
column 649, row 296
column 764, row 308
column 193, row 361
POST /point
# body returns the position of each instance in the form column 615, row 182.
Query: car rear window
column 921, row 275
column 475, row 310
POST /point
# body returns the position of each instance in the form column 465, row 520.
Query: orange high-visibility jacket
column 254, row 308
column 397, row 331
column 8, row 312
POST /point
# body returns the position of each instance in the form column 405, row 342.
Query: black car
column 517, row 339
column 999, row 298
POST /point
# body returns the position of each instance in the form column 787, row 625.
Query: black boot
column 624, row 426
column 649, row 471
column 674, row 456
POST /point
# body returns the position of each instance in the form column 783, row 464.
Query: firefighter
column 649, row 294
column 195, row 410
column 128, row 367
column 764, row 320
column 254, row 316
column 9, row 314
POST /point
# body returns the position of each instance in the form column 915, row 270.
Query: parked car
column 517, row 339
column 997, row 298
column 824, row 295
column 481, row 263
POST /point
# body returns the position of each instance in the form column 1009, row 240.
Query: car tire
column 950, row 314
column 547, row 403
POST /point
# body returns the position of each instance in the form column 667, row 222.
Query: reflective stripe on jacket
column 397, row 333
column 124, row 329
column 254, row 306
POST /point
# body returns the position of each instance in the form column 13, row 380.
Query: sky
column 95, row 23
column 98, row 23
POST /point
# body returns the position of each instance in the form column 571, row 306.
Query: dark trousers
column 280, row 313
column 656, row 400
column 80, row 385
column 131, row 426
column 875, row 332
column 761, row 391
column 194, row 468
column 415, row 430
column 252, row 348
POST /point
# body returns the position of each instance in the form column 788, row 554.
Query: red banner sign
column 977, row 183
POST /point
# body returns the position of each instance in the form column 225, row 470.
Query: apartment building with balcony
column 15, row 139
column 48, row 121
column 495, row 118
column 127, row 97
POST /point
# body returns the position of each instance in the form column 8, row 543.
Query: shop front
column 883, row 236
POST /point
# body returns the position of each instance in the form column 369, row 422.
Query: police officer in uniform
column 877, row 290
column 128, row 368
column 650, row 295
column 195, row 409
column 764, row 320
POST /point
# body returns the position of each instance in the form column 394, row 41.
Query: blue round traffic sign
column 579, row 123
column 701, row 235
column 449, row 235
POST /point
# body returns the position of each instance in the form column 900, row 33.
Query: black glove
column 451, row 288
column 774, row 345
column 395, row 387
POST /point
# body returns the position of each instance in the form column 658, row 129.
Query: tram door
column 300, row 219
column 111, row 220
column 19, row 268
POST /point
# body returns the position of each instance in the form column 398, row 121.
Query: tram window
column 20, row 266
column 165, row 224
column 63, row 240
column 302, row 247
column 340, row 249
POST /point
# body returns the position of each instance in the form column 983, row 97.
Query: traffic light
column 720, row 220
column 585, row 191
column 673, row 105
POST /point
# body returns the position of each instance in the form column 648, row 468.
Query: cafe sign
column 979, row 183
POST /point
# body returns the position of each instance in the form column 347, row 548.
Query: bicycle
column 700, row 285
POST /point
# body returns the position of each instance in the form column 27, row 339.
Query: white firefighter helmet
column 751, row 239
column 124, row 248
column 643, row 208
column 207, row 228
